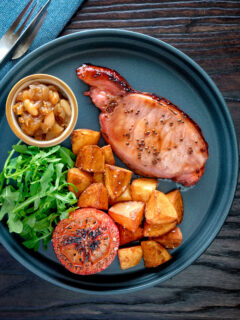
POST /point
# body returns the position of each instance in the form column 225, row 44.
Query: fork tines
column 17, row 34
column 16, row 23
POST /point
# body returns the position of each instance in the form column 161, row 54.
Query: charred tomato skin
column 86, row 242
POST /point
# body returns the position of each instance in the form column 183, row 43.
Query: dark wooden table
column 207, row 31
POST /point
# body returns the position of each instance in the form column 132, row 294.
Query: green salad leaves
column 34, row 192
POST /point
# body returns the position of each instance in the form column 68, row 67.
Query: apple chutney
column 42, row 112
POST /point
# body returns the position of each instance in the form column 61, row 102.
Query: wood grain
column 208, row 31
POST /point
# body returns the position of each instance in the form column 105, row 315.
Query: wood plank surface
column 209, row 32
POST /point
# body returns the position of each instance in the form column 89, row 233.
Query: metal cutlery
column 16, row 41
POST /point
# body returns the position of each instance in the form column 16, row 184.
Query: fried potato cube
column 142, row 188
column 127, row 236
column 154, row 254
column 95, row 196
column 90, row 158
column 108, row 154
column 116, row 180
column 128, row 214
column 171, row 240
column 129, row 257
column 175, row 198
column 98, row 177
column 156, row 230
column 125, row 196
column 80, row 179
column 159, row 210
column 83, row 137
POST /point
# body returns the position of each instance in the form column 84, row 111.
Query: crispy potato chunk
column 128, row 214
column 127, row 236
column 108, row 154
column 80, row 179
column 142, row 188
column 95, row 196
column 171, row 240
column 159, row 210
column 83, row 137
column 175, row 198
column 125, row 196
column 129, row 257
column 90, row 158
column 98, row 177
column 116, row 180
column 154, row 254
column 156, row 230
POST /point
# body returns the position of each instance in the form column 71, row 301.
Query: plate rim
column 231, row 131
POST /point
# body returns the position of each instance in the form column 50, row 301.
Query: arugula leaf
column 34, row 192
column 20, row 148
column 30, row 220
column 14, row 223
column 32, row 243
column 8, row 195
column 67, row 157
column 46, row 177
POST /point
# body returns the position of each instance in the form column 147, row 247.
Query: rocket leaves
column 34, row 193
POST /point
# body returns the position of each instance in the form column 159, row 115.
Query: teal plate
column 153, row 66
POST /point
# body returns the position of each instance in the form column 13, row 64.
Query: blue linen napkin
column 59, row 13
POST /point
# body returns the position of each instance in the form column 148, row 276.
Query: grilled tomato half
column 86, row 242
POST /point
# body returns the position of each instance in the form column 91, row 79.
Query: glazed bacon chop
column 148, row 133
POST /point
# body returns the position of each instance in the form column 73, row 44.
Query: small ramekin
column 65, row 91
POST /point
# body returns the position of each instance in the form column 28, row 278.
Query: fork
column 16, row 41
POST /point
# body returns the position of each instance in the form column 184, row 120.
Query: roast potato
column 142, row 188
column 156, row 230
column 171, row 240
column 80, row 179
column 159, row 210
column 154, row 254
column 95, row 196
column 83, row 137
column 90, row 158
column 128, row 214
column 125, row 196
column 98, row 177
column 127, row 236
column 116, row 180
column 175, row 198
column 129, row 257
column 108, row 154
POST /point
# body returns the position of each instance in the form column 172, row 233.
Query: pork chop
column 151, row 135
